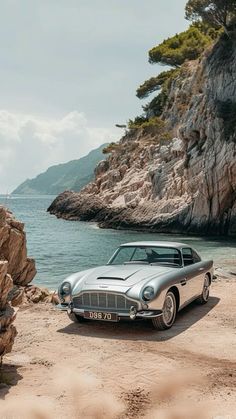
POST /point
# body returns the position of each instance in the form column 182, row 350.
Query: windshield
column 156, row 255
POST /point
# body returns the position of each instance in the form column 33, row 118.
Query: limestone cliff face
column 16, row 271
column 186, row 184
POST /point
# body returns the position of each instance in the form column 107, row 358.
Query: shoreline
column 147, row 230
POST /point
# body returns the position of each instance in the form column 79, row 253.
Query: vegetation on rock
column 142, row 122
column 154, row 83
column 217, row 13
column 185, row 46
column 174, row 52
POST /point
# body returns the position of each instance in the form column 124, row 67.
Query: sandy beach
column 67, row 367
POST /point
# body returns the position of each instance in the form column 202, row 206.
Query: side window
column 196, row 257
column 187, row 256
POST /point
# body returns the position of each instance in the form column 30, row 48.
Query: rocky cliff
column 16, row 271
column 185, row 183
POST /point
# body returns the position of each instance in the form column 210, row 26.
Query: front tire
column 204, row 297
column 76, row 318
column 166, row 320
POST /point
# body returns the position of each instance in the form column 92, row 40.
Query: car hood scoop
column 120, row 274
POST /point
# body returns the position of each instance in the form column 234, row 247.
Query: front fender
column 160, row 285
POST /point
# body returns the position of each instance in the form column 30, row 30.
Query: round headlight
column 148, row 293
column 65, row 288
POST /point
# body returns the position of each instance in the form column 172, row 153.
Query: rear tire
column 76, row 318
column 166, row 320
column 204, row 297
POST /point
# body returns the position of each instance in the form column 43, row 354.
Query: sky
column 69, row 71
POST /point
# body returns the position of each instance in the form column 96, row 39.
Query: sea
column 61, row 247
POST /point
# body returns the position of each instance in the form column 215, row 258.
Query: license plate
column 98, row 315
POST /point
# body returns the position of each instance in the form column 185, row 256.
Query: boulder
column 16, row 270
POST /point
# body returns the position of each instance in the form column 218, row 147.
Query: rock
column 6, row 284
column 34, row 294
column 16, row 270
column 7, row 316
column 7, row 338
column 16, row 295
column 54, row 298
column 101, row 167
column 192, row 177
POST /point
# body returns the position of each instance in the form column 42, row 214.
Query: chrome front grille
column 103, row 301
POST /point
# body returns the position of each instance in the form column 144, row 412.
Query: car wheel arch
column 209, row 276
column 175, row 291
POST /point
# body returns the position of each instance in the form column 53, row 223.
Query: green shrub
column 156, row 106
column 185, row 46
column 142, row 122
column 137, row 122
column 154, row 83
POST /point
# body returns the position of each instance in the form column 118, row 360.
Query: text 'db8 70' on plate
column 99, row 315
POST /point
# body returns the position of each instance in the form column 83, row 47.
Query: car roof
column 157, row 243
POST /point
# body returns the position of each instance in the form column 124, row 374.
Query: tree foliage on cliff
column 143, row 122
column 174, row 52
column 156, row 106
column 153, row 84
column 218, row 13
column 185, row 46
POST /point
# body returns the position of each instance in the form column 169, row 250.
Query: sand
column 71, row 368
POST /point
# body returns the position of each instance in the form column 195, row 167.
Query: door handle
column 183, row 282
column 201, row 269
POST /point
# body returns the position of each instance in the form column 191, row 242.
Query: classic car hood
column 123, row 275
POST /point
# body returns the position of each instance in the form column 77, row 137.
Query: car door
column 193, row 274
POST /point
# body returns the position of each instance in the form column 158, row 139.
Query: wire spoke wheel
column 166, row 320
column 206, row 288
column 169, row 308
column 204, row 297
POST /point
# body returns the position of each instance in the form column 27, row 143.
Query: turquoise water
column 63, row 247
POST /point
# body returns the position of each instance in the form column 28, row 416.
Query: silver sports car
column 149, row 280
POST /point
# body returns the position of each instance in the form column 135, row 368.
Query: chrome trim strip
column 81, row 311
column 142, row 314
column 62, row 307
column 149, row 314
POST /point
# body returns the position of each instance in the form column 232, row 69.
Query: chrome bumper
column 143, row 314
column 62, row 307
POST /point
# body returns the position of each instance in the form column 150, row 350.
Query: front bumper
column 132, row 315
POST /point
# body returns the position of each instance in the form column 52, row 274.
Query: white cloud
column 52, row 62
column 29, row 144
